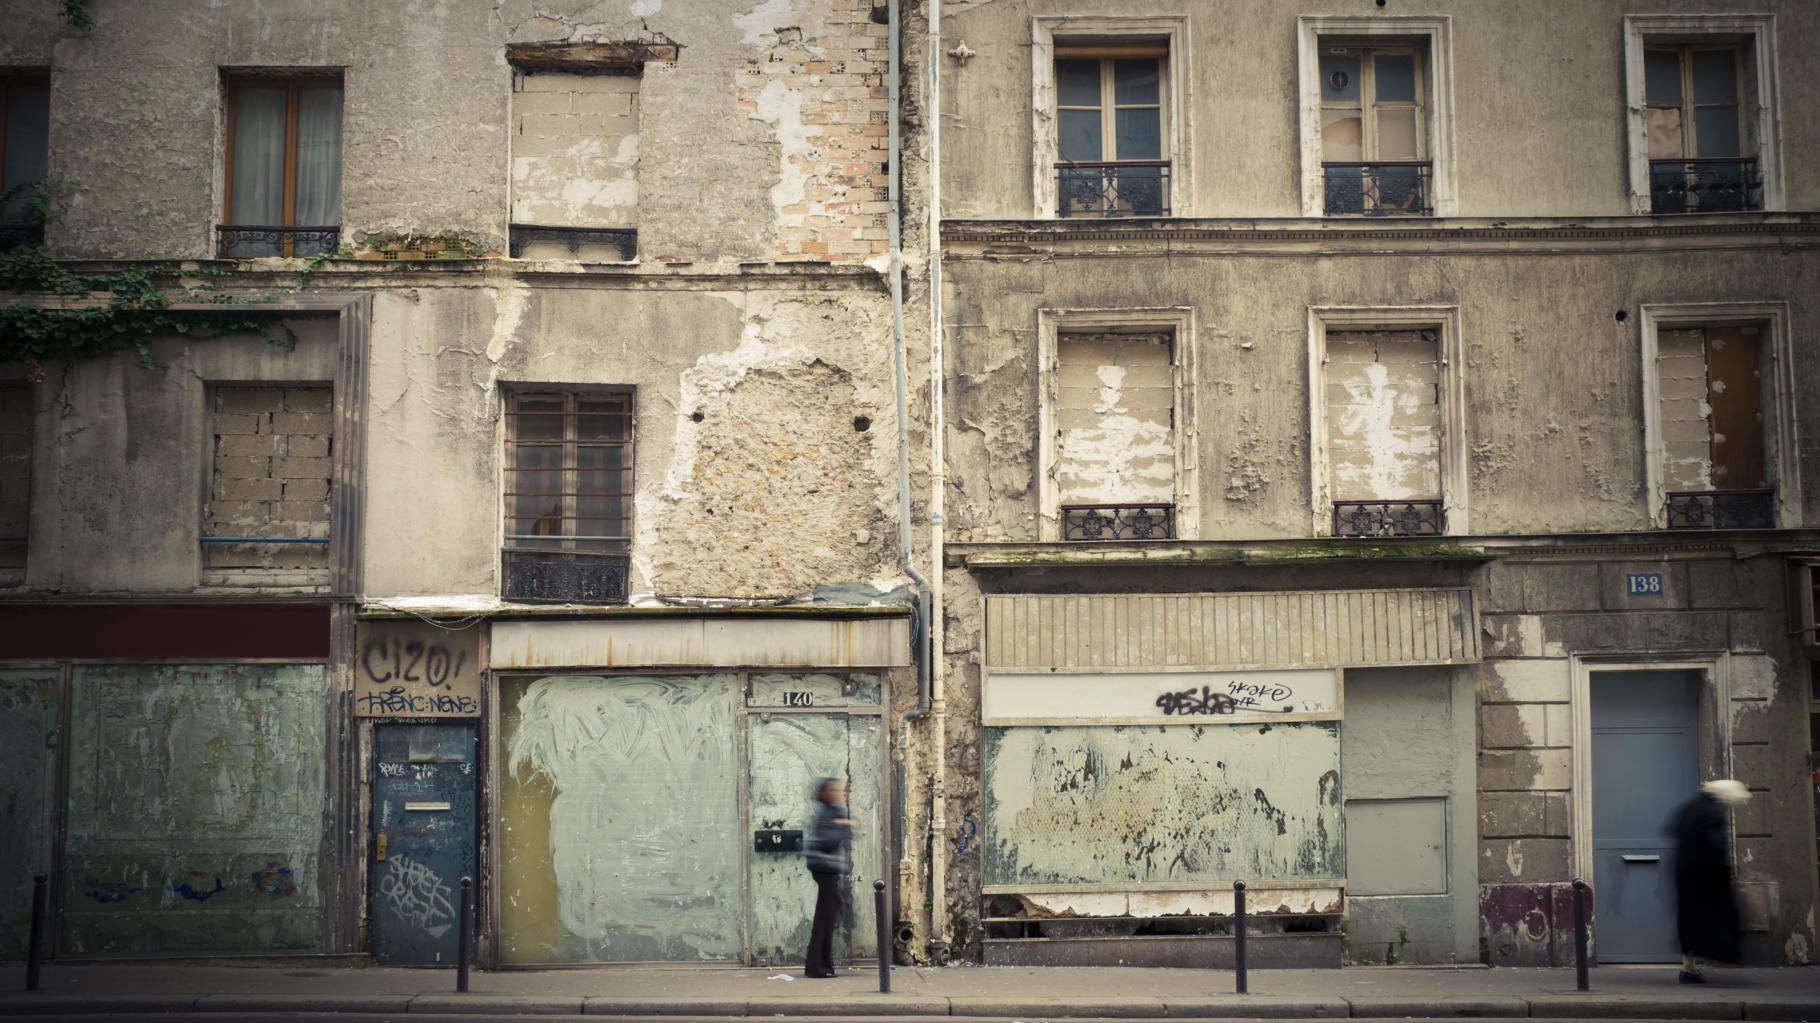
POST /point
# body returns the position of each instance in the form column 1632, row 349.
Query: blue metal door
column 1644, row 764
column 423, row 840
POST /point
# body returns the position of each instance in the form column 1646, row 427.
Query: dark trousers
column 820, row 960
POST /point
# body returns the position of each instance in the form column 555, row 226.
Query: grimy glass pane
column 1140, row 135
column 1079, row 137
column 318, row 156
column 1135, row 82
column 1395, row 77
column 1077, row 83
column 620, row 832
column 28, row 724
column 1397, row 134
column 1662, row 78
column 195, row 817
column 1663, row 126
column 1716, row 131
column 1715, row 76
column 1342, row 138
column 28, row 114
column 1339, row 78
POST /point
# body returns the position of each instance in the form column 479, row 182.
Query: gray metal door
column 1644, row 764
column 423, row 840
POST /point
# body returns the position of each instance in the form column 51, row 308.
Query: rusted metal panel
column 1159, row 632
column 702, row 642
column 1111, row 808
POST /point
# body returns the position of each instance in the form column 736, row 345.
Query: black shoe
column 1692, row 977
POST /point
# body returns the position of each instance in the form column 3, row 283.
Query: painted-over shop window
column 568, row 495
column 283, row 166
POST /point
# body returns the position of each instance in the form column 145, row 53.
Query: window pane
column 1339, row 78
column 1396, row 78
column 1140, row 135
column 319, row 156
column 1077, row 83
column 1342, row 138
column 1715, row 76
column 1135, row 81
column 602, row 419
column 1662, row 78
column 1079, row 138
column 1397, row 134
column 1663, row 125
column 258, row 181
column 28, row 113
column 1716, row 131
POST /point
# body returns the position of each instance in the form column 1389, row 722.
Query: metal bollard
column 34, row 963
column 1580, row 978
column 884, row 937
column 1238, row 933
column 462, row 929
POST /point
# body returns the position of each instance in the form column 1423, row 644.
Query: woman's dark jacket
column 827, row 853
column 1706, row 907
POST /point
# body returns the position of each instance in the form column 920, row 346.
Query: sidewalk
column 1024, row 993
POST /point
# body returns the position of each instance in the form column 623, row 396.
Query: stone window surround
column 1179, row 322
column 1714, row 728
column 1758, row 32
column 1436, row 33
column 1445, row 321
column 1779, row 427
column 1177, row 100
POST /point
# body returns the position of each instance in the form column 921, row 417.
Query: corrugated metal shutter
column 1321, row 628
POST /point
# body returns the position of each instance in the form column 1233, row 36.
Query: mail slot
column 777, row 841
column 410, row 806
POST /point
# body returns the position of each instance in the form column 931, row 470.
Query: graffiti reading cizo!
column 388, row 659
column 399, row 700
column 415, row 669
column 1238, row 696
column 417, row 895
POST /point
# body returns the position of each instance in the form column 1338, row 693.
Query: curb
column 1408, row 1007
column 302, row 1003
column 1254, row 1007
column 503, row 1005
column 1101, row 1007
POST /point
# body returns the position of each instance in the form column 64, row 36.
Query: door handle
column 1641, row 858
column 379, row 847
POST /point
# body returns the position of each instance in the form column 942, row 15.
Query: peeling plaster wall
column 1564, row 154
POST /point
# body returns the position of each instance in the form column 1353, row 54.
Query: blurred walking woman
column 829, row 862
column 1706, row 907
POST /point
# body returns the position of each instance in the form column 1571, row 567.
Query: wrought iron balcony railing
column 1385, row 188
column 245, row 241
column 567, row 577
column 1704, row 186
column 1722, row 509
column 1389, row 518
column 1118, row 521
column 19, row 235
column 624, row 240
column 1122, row 188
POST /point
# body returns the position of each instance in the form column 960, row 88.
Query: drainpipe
column 938, row 490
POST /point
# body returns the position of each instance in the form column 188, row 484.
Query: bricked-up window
column 568, row 495
column 25, row 114
column 1384, row 432
column 575, row 164
column 15, row 479
column 267, row 520
column 283, row 166
column 1115, row 435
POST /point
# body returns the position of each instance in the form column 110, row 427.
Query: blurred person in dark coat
column 829, row 863
column 1706, row 904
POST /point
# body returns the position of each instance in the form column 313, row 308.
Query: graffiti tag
column 275, row 880
column 386, row 659
column 399, row 700
column 1202, row 701
column 199, row 892
column 415, row 669
column 1257, row 694
column 417, row 895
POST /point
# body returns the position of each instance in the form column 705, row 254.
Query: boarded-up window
column 574, row 156
column 1383, row 415
column 15, row 479
column 1115, row 419
column 267, row 520
column 1711, row 395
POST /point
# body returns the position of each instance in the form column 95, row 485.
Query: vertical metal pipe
column 463, row 933
column 883, row 919
column 1581, row 980
column 1238, row 934
column 34, row 963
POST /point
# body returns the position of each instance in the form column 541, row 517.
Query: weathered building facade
column 1378, row 469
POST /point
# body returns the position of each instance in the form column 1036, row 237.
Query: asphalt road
column 424, row 1017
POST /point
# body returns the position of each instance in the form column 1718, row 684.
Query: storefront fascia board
column 882, row 642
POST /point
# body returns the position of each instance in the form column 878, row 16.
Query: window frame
column 233, row 81
column 14, row 575
column 1689, row 106
column 1450, row 356
column 1775, row 367
column 506, row 518
column 1176, row 94
column 1754, row 38
column 8, row 77
column 1179, row 321
column 1431, row 33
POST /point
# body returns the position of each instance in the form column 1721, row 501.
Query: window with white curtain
column 283, row 166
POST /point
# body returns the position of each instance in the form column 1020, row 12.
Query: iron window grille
column 622, row 239
column 568, row 497
column 1381, row 189
column 1103, row 188
column 1705, row 186
column 1118, row 522
column 1389, row 518
column 1753, row 508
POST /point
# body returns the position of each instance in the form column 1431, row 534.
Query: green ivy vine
column 77, row 14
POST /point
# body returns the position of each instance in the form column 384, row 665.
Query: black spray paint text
column 384, row 659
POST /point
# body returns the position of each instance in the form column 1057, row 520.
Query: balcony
column 247, row 241
column 596, row 244
column 1722, row 509
column 1124, row 188
column 1389, row 518
column 1390, row 188
column 567, row 577
column 1704, row 186
column 1118, row 522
